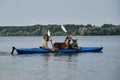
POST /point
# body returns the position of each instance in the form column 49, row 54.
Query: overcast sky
column 30, row 12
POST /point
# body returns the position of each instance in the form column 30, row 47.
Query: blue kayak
column 42, row 50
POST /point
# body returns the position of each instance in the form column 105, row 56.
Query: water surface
column 81, row 66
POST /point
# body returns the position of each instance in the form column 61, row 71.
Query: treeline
column 39, row 30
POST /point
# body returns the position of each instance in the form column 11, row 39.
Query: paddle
column 63, row 28
column 50, row 37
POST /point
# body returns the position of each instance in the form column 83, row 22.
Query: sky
column 31, row 12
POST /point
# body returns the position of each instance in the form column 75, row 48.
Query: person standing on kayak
column 44, row 42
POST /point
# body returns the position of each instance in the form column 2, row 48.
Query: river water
column 81, row 66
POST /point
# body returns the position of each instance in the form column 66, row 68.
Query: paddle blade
column 48, row 33
column 63, row 28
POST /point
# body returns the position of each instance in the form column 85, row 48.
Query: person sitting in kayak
column 68, row 40
column 44, row 42
column 74, row 44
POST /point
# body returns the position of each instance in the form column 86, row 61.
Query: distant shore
column 72, row 29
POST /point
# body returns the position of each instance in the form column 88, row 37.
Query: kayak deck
column 42, row 50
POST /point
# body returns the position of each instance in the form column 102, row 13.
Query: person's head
column 46, row 37
column 69, row 38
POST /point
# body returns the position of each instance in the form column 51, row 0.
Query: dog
column 60, row 45
column 63, row 45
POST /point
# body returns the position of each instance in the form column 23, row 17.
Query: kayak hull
column 42, row 50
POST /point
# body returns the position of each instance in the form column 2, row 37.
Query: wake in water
column 4, row 53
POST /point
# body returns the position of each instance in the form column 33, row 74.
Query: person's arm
column 75, row 47
column 46, row 46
